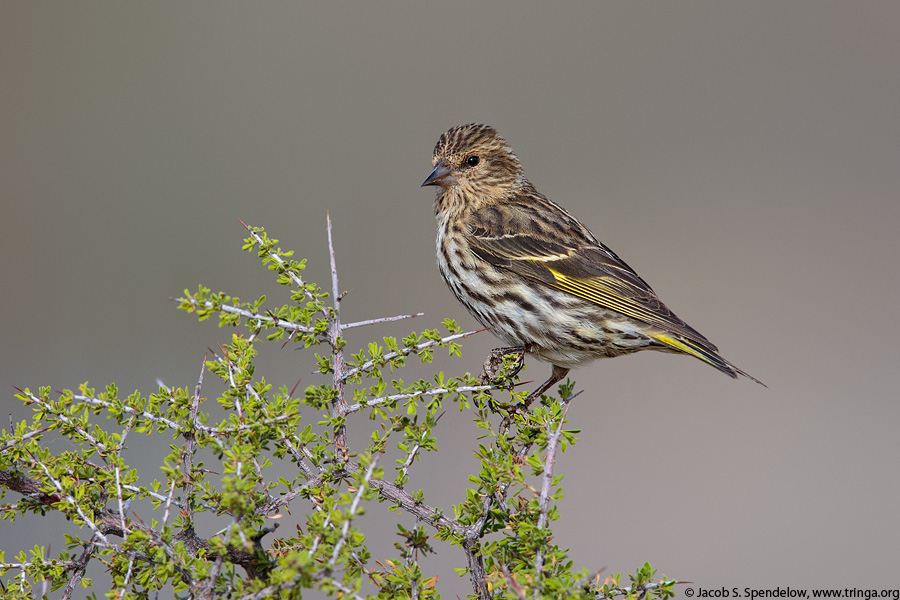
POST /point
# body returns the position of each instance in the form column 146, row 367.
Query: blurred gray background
column 743, row 157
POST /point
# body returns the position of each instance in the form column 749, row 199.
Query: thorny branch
column 79, row 566
column 422, row 346
column 187, row 463
column 339, row 406
column 250, row 315
column 423, row 512
column 409, row 396
column 107, row 522
column 298, row 281
column 315, row 472
column 354, row 508
column 547, row 480
column 115, row 522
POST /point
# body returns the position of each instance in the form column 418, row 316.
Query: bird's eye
column 473, row 161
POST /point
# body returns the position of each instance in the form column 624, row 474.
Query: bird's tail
column 704, row 353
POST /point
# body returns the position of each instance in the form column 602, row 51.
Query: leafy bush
column 501, row 522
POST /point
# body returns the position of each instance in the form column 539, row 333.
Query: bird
column 529, row 271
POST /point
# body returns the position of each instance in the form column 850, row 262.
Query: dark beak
column 437, row 176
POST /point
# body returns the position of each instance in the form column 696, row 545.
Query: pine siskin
column 527, row 269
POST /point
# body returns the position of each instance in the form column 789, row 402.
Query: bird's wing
column 589, row 271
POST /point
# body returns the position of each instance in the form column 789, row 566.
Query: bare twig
column 187, row 462
column 212, row 432
column 18, row 440
column 122, row 505
column 87, row 436
column 161, row 498
column 403, row 352
column 411, row 456
column 169, row 501
column 297, row 456
column 143, row 414
column 127, row 577
column 432, row 392
column 285, row 499
column 68, row 564
column 79, row 566
column 250, row 315
column 251, row 392
column 90, row 523
column 423, row 512
column 339, row 406
column 345, row 590
column 544, row 500
column 381, row 320
column 354, row 506
column 281, row 262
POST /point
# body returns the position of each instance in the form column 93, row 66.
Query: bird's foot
column 492, row 369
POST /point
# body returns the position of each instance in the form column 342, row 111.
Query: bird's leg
column 555, row 376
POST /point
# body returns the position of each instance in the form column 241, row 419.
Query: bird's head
column 473, row 161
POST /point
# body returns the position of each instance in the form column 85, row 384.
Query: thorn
column 295, row 387
column 225, row 354
column 572, row 396
column 289, row 339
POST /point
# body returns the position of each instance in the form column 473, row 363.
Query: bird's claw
column 492, row 369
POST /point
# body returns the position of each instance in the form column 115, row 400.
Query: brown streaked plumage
column 525, row 267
